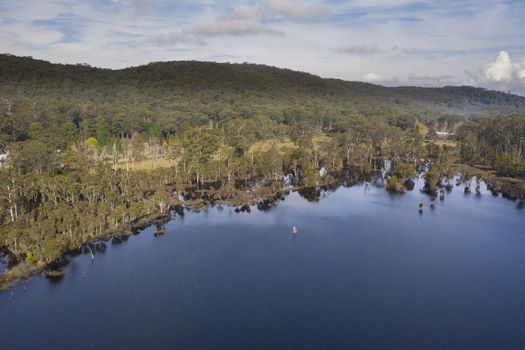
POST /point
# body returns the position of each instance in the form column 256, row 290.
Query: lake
column 365, row 270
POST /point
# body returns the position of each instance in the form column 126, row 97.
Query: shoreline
column 24, row 270
column 509, row 187
column 242, row 202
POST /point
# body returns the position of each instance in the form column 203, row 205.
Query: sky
column 388, row 42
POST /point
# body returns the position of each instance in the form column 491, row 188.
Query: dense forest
column 88, row 152
column 495, row 142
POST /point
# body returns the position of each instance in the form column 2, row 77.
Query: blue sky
column 389, row 42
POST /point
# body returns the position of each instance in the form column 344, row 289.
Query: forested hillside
column 88, row 152
column 198, row 93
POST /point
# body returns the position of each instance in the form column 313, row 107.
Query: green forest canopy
column 178, row 95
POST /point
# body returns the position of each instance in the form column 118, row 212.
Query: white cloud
column 141, row 7
column 234, row 28
column 521, row 73
column 249, row 20
column 298, row 10
column 500, row 74
column 373, row 77
column 379, row 78
column 241, row 21
column 429, row 78
column 502, row 69
column 176, row 38
column 360, row 49
column 246, row 12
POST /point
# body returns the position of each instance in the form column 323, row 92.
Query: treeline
column 497, row 143
column 47, row 215
column 70, row 101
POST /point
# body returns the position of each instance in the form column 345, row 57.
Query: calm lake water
column 365, row 270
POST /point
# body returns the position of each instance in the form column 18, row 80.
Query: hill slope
column 193, row 76
column 175, row 93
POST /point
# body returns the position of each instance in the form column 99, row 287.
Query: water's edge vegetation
column 243, row 202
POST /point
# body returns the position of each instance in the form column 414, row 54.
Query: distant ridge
column 235, row 82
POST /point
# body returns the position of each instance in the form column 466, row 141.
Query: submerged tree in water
column 393, row 184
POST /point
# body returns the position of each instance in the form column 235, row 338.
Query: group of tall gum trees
column 45, row 214
column 496, row 142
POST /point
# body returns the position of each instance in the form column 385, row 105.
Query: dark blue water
column 364, row 271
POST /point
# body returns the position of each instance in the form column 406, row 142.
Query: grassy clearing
column 283, row 146
column 477, row 170
column 448, row 143
column 320, row 139
column 145, row 164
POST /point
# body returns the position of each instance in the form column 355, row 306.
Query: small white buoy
column 91, row 252
column 294, row 230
